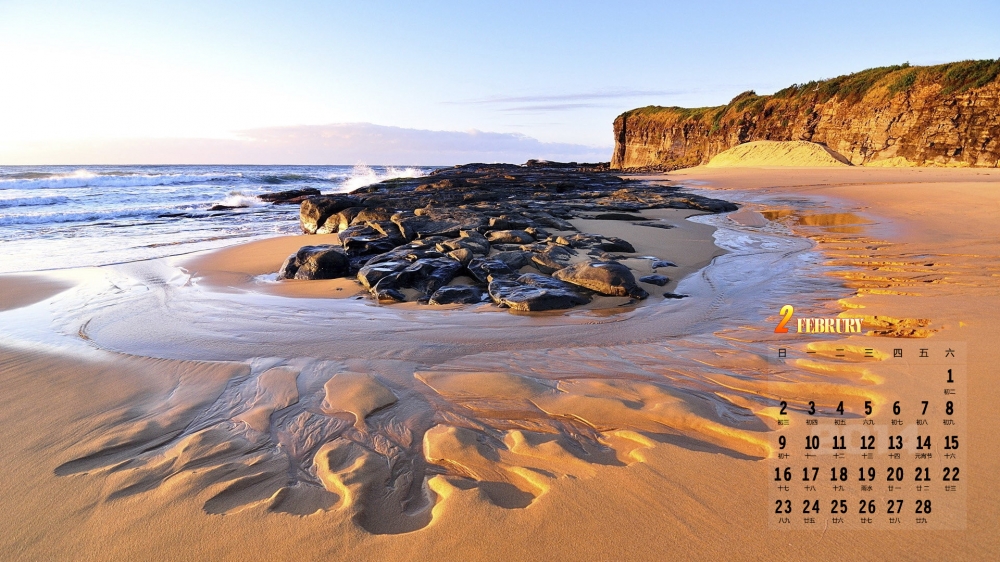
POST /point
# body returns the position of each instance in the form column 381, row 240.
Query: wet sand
column 228, row 421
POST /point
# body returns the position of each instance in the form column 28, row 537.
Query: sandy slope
column 95, row 468
column 777, row 153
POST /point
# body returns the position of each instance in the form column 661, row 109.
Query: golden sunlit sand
column 224, row 416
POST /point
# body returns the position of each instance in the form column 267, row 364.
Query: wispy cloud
column 573, row 97
column 342, row 143
column 539, row 108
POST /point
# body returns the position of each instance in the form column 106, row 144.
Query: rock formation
column 475, row 232
column 945, row 115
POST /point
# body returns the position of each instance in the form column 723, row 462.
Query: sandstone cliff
column 945, row 115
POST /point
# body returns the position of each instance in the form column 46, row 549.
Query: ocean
column 54, row 217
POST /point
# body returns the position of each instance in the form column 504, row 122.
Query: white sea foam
column 31, row 201
column 80, row 216
column 85, row 178
column 363, row 175
column 239, row 199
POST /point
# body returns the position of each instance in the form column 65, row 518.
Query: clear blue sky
column 85, row 75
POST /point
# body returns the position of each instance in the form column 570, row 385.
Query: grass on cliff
column 956, row 77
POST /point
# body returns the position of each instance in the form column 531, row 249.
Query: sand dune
column 778, row 153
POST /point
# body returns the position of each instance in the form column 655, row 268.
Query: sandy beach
column 194, row 407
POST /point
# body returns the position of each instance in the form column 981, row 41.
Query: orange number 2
column 786, row 315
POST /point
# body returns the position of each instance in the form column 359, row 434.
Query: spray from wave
column 240, row 199
column 363, row 175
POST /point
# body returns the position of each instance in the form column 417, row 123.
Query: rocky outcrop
column 461, row 234
column 945, row 115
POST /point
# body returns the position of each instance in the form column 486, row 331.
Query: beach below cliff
column 195, row 406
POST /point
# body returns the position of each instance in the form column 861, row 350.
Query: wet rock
column 509, row 237
column 509, row 222
column 366, row 216
column 534, row 292
column 457, row 294
column 674, row 296
column 612, row 244
column 663, row 263
column 407, row 252
column 366, row 240
column 472, row 245
column 290, row 196
column 606, row 278
column 546, row 219
column 370, row 275
column 427, row 275
column 655, row 224
column 462, row 255
column 537, row 233
column 618, row 217
column 515, row 259
column 552, row 258
column 481, row 269
column 474, row 241
column 315, row 210
column 437, row 222
column 390, row 294
column 657, row 280
column 316, row 262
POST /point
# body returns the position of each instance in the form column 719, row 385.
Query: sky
column 311, row 82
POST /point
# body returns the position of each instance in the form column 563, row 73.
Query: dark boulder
column 663, row 263
column 515, row 259
column 315, row 210
column 612, row 244
column 606, row 278
column 316, row 262
column 657, row 280
column 289, row 196
column 457, row 294
column 358, row 240
column 674, row 296
column 482, row 268
column 427, row 275
column 372, row 273
column 533, row 292
column 553, row 258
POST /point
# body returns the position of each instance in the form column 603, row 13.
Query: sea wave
column 275, row 179
column 78, row 216
column 32, row 201
column 85, row 178
column 363, row 175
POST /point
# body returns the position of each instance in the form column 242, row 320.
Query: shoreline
column 675, row 481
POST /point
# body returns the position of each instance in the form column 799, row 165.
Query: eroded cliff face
column 947, row 115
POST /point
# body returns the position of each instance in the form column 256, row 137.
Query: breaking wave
column 85, row 178
column 363, row 175
column 32, row 201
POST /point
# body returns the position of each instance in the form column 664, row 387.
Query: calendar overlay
column 889, row 456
